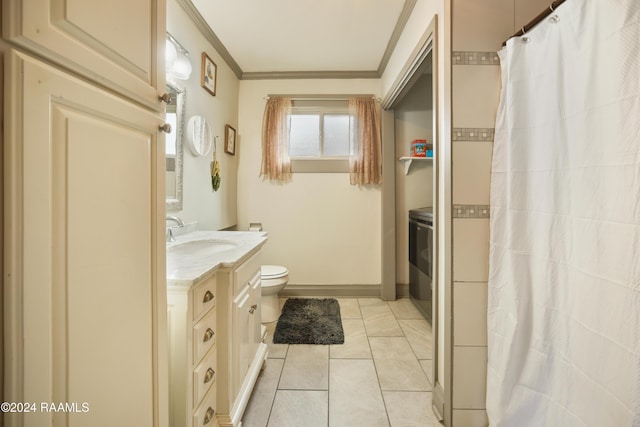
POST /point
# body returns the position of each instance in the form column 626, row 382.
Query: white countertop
column 195, row 256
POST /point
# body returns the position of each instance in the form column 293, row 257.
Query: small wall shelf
column 409, row 160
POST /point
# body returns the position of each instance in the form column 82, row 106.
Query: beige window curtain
column 365, row 163
column 276, row 165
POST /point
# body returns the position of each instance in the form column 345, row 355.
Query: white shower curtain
column 564, row 281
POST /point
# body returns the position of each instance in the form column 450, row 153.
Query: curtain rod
column 535, row 21
column 339, row 97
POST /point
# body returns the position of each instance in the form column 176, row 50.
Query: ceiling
column 303, row 38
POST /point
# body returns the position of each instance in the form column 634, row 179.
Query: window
column 319, row 136
column 322, row 132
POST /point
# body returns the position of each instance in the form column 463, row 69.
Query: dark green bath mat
column 309, row 321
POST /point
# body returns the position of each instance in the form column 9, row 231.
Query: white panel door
column 86, row 295
column 256, row 316
column 241, row 340
column 114, row 42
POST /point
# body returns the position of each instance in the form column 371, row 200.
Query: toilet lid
column 273, row 271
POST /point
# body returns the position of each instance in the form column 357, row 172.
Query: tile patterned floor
column 380, row 376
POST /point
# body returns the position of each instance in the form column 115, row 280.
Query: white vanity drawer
column 204, row 375
column 246, row 272
column 204, row 336
column 205, row 415
column 204, row 297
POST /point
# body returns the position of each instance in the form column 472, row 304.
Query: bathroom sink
column 195, row 255
column 208, row 246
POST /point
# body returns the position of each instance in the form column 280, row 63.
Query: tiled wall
column 479, row 28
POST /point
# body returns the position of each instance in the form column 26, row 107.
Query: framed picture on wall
column 229, row 140
column 209, row 74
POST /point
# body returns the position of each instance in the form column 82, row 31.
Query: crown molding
column 414, row 66
column 211, row 37
column 405, row 14
column 269, row 75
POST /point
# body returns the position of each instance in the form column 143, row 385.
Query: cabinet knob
column 165, row 97
column 209, row 415
column 208, row 335
column 209, row 375
column 253, row 308
column 166, row 128
column 208, row 296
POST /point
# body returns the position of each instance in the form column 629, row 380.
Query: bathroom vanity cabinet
column 246, row 335
column 84, row 270
column 192, row 353
column 216, row 339
column 246, row 352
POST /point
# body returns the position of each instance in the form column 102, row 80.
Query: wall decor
column 209, row 74
column 215, row 168
column 199, row 136
column 229, row 140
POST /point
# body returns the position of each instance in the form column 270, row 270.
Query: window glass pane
column 304, row 135
column 336, row 135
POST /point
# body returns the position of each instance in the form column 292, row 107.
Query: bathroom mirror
column 174, row 145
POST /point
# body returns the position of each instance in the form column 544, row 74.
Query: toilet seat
column 268, row 272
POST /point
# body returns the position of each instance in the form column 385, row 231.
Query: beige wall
column 324, row 230
column 421, row 16
column 213, row 210
column 479, row 28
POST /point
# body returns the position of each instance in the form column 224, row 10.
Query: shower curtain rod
column 535, row 21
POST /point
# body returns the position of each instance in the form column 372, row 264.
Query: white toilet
column 274, row 278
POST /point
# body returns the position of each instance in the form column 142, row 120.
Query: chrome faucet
column 178, row 221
